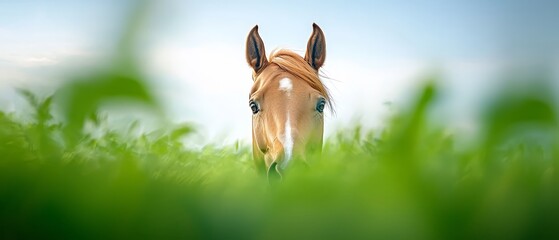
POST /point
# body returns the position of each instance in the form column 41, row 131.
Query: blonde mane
column 294, row 64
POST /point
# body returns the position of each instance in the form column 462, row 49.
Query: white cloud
column 39, row 61
column 206, row 84
column 361, row 90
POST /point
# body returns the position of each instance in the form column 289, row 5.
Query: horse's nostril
column 274, row 173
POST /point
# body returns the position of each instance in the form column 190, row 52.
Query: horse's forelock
column 294, row 64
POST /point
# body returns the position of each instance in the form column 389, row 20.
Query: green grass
column 72, row 177
column 410, row 180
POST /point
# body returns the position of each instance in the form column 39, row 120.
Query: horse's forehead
column 286, row 85
column 279, row 84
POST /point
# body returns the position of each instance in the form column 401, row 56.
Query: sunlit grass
column 407, row 181
column 73, row 177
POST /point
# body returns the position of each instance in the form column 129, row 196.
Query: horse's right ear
column 255, row 53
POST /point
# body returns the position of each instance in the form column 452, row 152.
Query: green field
column 413, row 179
column 67, row 172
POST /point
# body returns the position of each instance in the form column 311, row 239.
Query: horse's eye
column 320, row 105
column 254, row 107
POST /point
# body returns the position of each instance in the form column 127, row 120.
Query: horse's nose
column 274, row 173
column 283, row 150
column 276, row 159
column 275, row 153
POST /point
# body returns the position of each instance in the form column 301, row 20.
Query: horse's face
column 287, row 101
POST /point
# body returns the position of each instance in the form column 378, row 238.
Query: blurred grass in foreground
column 408, row 181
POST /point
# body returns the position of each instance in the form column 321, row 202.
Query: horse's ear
column 316, row 48
column 255, row 53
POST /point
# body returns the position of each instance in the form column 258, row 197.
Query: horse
column 287, row 100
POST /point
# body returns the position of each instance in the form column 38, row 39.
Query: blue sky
column 377, row 50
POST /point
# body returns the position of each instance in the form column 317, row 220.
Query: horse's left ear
column 316, row 48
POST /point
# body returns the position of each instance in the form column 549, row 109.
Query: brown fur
column 292, row 63
column 276, row 106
